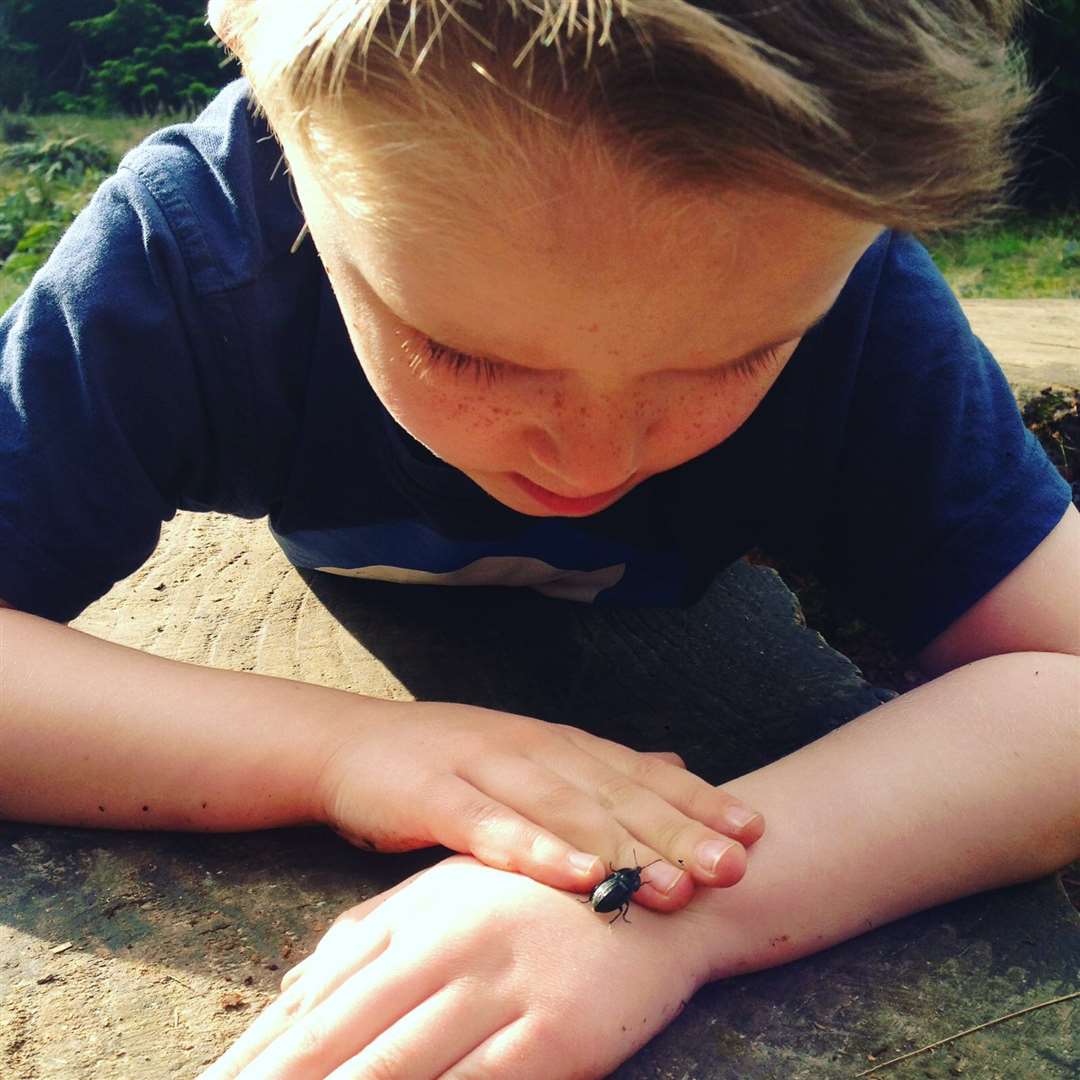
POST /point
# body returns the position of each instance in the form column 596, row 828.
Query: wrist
column 345, row 755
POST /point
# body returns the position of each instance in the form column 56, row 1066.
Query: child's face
column 608, row 333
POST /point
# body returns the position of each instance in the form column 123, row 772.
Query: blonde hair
column 900, row 112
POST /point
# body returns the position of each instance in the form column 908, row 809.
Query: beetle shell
column 614, row 892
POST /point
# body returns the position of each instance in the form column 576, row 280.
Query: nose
column 592, row 448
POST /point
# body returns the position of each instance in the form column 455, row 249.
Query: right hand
column 546, row 800
column 464, row 971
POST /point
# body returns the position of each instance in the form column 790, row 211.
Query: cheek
column 457, row 420
column 695, row 418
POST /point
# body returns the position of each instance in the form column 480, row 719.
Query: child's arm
column 967, row 783
column 964, row 784
column 96, row 734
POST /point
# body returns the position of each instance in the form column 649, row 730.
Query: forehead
column 524, row 270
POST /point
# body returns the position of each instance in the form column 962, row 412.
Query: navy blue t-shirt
column 175, row 353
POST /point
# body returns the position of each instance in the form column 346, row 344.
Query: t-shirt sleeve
column 101, row 422
column 943, row 491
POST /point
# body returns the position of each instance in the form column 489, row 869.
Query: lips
column 569, row 506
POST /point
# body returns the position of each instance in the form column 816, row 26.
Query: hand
column 547, row 800
column 464, row 971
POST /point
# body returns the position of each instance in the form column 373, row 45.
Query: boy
column 573, row 277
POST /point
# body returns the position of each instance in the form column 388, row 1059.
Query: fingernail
column 710, row 853
column 580, row 861
column 740, row 816
column 664, row 877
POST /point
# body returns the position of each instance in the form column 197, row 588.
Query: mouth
column 571, row 506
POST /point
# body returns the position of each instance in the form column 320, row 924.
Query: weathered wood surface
column 177, row 940
column 1037, row 342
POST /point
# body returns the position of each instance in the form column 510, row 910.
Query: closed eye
column 436, row 355
column 459, row 363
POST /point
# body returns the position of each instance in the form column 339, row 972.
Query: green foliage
column 46, row 177
column 50, row 56
column 67, row 157
column 149, row 60
column 38, row 239
column 136, row 56
column 16, row 210
column 1021, row 257
column 45, row 184
column 14, row 129
column 32, row 219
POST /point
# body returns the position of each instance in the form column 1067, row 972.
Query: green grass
column 1022, row 257
column 38, row 210
column 10, row 290
column 117, row 134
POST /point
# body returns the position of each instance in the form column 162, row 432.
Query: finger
column 324, row 971
column 408, row 1050
column 666, row 755
column 346, row 922
column 294, row 973
column 512, row 1051
column 546, row 798
column 684, row 790
column 661, row 886
column 357, row 1012
column 551, row 801
column 585, row 800
column 709, row 857
column 475, row 820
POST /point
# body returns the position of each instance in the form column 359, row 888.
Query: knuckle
column 542, row 852
column 308, row 1040
column 349, row 917
column 482, row 815
column 387, row 1064
column 558, row 800
column 648, row 769
column 680, row 835
column 294, row 1000
column 616, row 790
column 703, row 801
column 492, row 833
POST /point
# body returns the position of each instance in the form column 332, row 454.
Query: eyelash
column 459, row 363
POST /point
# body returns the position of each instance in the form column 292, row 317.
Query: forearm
column 967, row 783
column 96, row 734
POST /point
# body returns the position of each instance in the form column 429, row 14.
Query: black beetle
column 614, row 892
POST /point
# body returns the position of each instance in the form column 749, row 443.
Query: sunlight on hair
column 898, row 111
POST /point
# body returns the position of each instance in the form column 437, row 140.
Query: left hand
column 466, row 971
